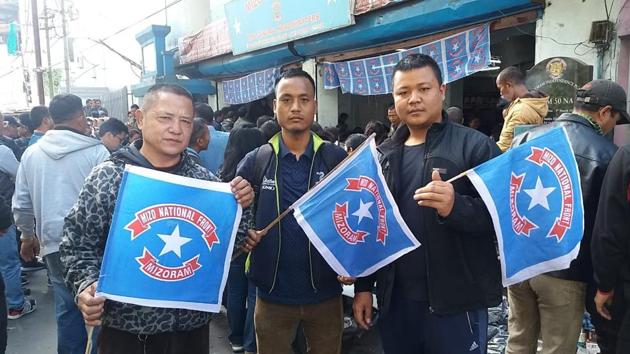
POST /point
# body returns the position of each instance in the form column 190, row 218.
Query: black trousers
column 113, row 341
column 613, row 337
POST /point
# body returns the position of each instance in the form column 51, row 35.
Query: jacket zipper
column 427, row 156
column 275, row 273
column 310, row 257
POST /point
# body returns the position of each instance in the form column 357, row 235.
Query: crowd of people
column 60, row 175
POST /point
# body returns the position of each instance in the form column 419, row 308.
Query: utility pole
column 38, row 54
column 66, row 54
column 51, row 86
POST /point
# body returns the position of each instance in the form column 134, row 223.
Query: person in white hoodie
column 48, row 182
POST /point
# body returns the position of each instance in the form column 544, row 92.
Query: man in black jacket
column 435, row 298
column 552, row 305
column 611, row 257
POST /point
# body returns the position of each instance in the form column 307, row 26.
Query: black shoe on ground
column 33, row 266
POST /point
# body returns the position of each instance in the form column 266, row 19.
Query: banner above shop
column 251, row 87
column 458, row 56
column 256, row 24
column 363, row 6
column 213, row 40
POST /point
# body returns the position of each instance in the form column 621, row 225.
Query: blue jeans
column 241, row 298
column 71, row 332
column 10, row 267
column 410, row 328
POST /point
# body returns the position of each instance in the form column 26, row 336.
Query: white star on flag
column 539, row 195
column 173, row 242
column 237, row 26
column 477, row 58
column 457, row 69
column 455, row 46
column 363, row 211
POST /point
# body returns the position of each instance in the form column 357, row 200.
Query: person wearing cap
column 552, row 305
column 611, row 257
column 8, row 132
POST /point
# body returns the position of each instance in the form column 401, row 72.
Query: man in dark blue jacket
column 295, row 284
column 435, row 298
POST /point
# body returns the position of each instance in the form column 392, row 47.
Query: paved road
column 36, row 332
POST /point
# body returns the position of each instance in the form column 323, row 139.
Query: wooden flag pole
column 88, row 345
column 465, row 173
column 290, row 209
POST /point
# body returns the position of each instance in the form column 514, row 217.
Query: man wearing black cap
column 552, row 304
column 8, row 125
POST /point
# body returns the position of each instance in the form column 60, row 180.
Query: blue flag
column 170, row 241
column 352, row 219
column 534, row 196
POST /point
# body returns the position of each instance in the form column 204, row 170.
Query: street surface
column 36, row 332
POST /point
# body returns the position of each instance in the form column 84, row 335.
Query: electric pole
column 66, row 54
column 38, row 54
column 51, row 86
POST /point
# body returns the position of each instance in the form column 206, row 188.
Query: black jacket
column 611, row 237
column 592, row 153
column 462, row 263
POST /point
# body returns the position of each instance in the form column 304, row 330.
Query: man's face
column 167, row 124
column 97, row 103
column 608, row 118
column 10, row 131
column 392, row 115
column 113, row 142
column 506, row 89
column 295, row 105
column 418, row 97
column 204, row 140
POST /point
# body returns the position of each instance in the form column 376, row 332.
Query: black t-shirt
column 411, row 269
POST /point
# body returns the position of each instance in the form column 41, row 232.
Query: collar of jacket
column 275, row 142
column 581, row 119
column 402, row 133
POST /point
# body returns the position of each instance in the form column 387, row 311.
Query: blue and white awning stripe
column 458, row 56
column 251, row 87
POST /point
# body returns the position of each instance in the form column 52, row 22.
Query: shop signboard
column 256, row 24
column 559, row 77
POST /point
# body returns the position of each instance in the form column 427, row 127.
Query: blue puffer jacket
column 263, row 266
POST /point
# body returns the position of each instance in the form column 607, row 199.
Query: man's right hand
column 29, row 249
column 362, row 308
column 253, row 238
column 602, row 300
column 91, row 306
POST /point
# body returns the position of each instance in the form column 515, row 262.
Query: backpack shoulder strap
column 263, row 157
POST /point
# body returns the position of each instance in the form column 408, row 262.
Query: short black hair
column 270, row 128
column 512, row 74
column 418, row 61
column 354, row 140
column 295, row 72
column 198, row 128
column 65, row 107
column 38, row 113
column 24, row 119
column 114, row 126
column 262, row 120
column 175, row 89
column 203, row 110
column 134, row 106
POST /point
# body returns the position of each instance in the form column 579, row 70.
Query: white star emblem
column 364, row 211
column 455, row 46
column 432, row 53
column 237, row 26
column 173, row 242
column 539, row 195
column 457, row 69
column 477, row 58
